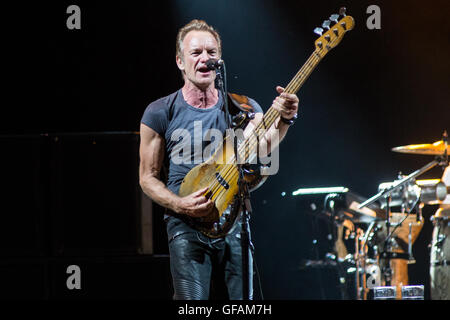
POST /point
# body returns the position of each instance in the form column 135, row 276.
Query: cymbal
column 436, row 148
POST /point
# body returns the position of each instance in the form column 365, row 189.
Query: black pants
column 204, row 268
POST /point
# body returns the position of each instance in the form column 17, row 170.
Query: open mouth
column 203, row 69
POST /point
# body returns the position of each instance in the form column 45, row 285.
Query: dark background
column 378, row 89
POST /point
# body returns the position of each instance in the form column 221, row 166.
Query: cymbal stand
column 399, row 183
column 358, row 263
column 387, row 245
column 361, row 249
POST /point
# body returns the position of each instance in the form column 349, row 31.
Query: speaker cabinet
column 24, row 168
column 96, row 197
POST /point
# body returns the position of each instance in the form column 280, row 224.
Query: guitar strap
column 239, row 103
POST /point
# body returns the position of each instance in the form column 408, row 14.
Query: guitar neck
column 325, row 43
column 269, row 118
column 293, row 86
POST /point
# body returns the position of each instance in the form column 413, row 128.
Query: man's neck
column 200, row 98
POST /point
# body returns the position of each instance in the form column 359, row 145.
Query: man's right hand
column 195, row 204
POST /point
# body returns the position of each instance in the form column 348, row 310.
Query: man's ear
column 180, row 63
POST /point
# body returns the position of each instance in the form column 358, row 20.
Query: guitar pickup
column 222, row 181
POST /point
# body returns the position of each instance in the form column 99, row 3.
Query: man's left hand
column 286, row 103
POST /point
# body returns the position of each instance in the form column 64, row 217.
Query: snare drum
column 440, row 256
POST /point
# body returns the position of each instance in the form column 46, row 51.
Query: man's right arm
column 151, row 153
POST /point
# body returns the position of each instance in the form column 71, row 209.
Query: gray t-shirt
column 177, row 121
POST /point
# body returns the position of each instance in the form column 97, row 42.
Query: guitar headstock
column 334, row 34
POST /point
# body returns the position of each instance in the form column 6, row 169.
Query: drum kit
column 383, row 250
column 381, row 230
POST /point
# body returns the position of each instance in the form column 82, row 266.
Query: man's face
column 198, row 47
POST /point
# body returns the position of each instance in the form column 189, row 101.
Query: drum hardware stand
column 387, row 252
column 359, row 265
column 398, row 183
column 335, row 221
column 360, row 261
column 411, row 259
column 387, row 245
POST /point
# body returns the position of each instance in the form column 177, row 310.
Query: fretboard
column 249, row 147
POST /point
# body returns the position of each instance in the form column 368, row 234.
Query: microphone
column 212, row 64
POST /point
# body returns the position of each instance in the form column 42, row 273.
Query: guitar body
column 220, row 176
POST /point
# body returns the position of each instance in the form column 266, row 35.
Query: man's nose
column 204, row 56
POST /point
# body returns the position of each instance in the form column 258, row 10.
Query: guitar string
column 293, row 87
column 250, row 144
column 224, row 172
column 272, row 114
column 295, row 83
column 229, row 169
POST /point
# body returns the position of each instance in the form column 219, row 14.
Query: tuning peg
column 318, row 31
column 326, row 24
column 342, row 11
column 334, row 18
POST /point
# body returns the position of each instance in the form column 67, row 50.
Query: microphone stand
column 244, row 196
column 221, row 81
column 243, row 193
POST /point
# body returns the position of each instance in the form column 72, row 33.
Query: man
column 195, row 259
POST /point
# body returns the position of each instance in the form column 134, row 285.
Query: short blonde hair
column 195, row 25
